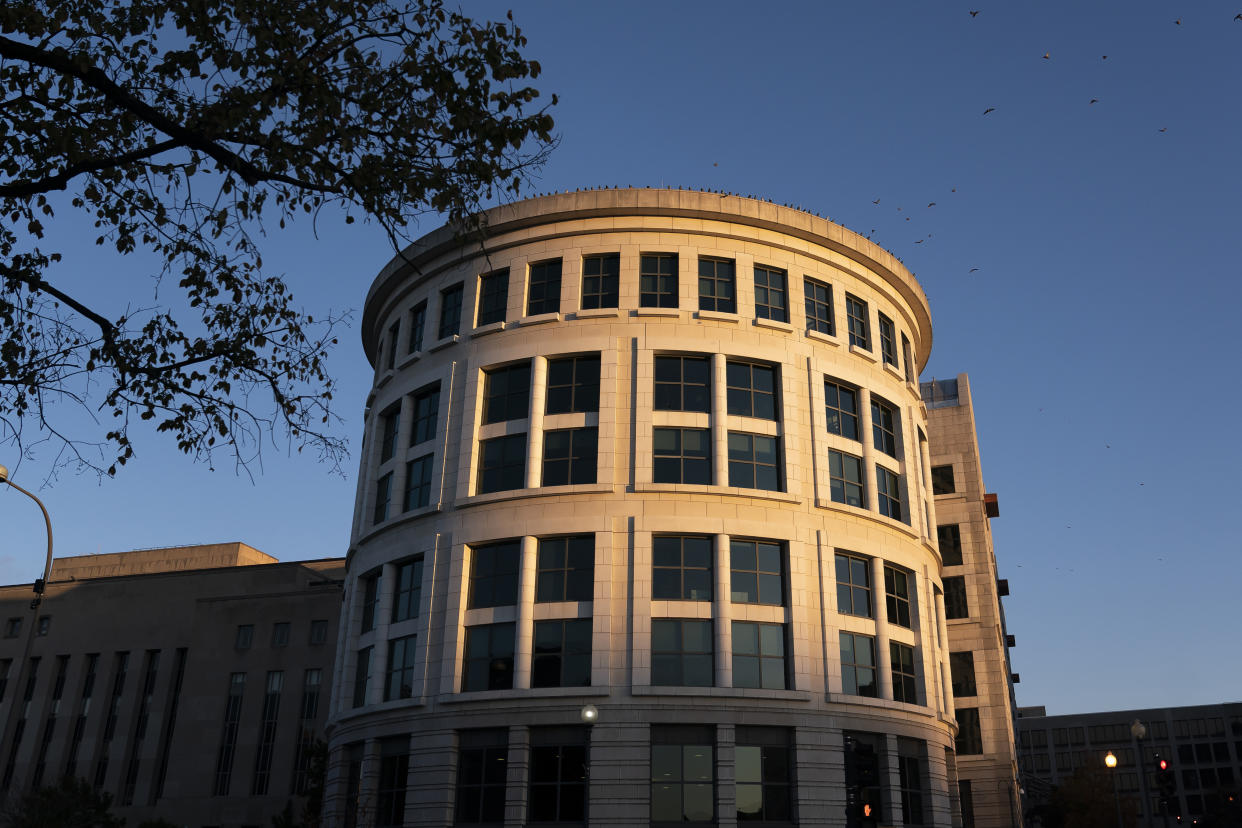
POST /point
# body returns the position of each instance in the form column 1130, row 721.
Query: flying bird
column 920, row 241
column 1094, row 100
column 954, row 190
column 1164, row 129
column 932, row 204
column 976, row 14
column 877, row 201
column 1047, row 55
column 973, row 269
column 1237, row 17
column 989, row 109
column 1103, row 57
column 1177, row 22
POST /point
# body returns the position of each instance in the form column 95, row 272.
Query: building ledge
column 540, row 319
column 733, row 491
column 666, row 312
column 717, row 316
column 541, row 491
column 775, row 324
column 722, row 692
column 521, row 693
column 597, row 313
column 447, row 341
column 489, row 328
column 865, row 354
column 824, row 338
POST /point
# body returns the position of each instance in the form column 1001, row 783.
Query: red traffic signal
column 1164, row 764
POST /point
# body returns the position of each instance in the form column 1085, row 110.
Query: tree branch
column 23, row 189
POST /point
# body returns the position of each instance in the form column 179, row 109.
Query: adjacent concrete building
column 645, row 531
column 190, row 683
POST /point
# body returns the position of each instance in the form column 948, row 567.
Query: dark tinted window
column 681, row 455
column 682, row 384
column 506, row 393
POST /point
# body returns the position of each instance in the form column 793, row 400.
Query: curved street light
column 1111, row 761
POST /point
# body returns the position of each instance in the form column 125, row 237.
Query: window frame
column 942, row 485
column 573, row 650
column 565, row 581
column 888, row 340
column 687, row 662
column 888, row 493
column 569, row 749
column 749, row 399
column 495, row 571
column 701, row 462
column 770, row 741
column 766, row 291
column 852, row 668
column 418, row 489
column 664, row 290
column 418, row 325
column 819, row 311
column 407, row 593
column 952, row 532
column 841, row 483
column 543, row 287
column 695, row 581
column 425, row 408
column 609, row 290
column 958, row 603
column 898, row 598
column 858, row 322
column 400, row 671
column 486, row 749
column 685, row 738
column 761, row 656
column 493, row 298
column 383, row 499
column 500, row 649
column 502, row 467
column 505, row 396
column 717, row 290
column 885, row 426
column 582, row 388
column 580, row 456
column 451, row 300
column 840, row 420
column 905, row 684
column 662, row 387
column 849, row 586
column 962, row 680
column 969, row 741
column 741, row 458
column 763, row 578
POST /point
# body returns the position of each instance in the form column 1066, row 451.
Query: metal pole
column 1135, row 729
column 1117, row 798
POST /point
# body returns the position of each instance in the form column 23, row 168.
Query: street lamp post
column 1138, row 730
column 1111, row 761
column 39, row 586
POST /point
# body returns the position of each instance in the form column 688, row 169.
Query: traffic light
column 1166, row 781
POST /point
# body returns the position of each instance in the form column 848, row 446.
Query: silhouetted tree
column 71, row 804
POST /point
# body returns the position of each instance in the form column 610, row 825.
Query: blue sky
column 1098, row 331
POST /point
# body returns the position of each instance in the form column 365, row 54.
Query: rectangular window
column 908, row 356
column 493, row 297
column 683, row 383
column 502, row 464
column 681, row 568
column 763, row 775
column 853, row 585
column 418, row 322
column 858, row 665
column 573, row 385
column 681, row 455
column 12, row 627
column 754, row 461
column 856, row 319
column 969, row 734
column 267, row 734
column 888, row 493
column 758, row 572
column 399, row 683
column 450, row 311
column 228, row 739
column 683, row 774
column 390, row 424
column 558, row 775
column 902, row 658
column 280, row 634
column 771, row 294
column 601, row 281
column 362, row 676
column 841, row 408
column 394, row 773
column 418, row 483
column 544, row 295
column 910, row 778
column 884, row 426
column 506, row 393
column 426, row 410
column 657, row 280
column 759, row 656
column 244, row 637
column 967, row 799
column 494, row 574
column 962, row 667
column 383, row 498
column 318, row 631
column 569, row 456
column 681, row 653
column 390, row 358
column 562, row 656
column 409, row 590
column 370, row 601
column 566, row 569
column 949, row 538
column 482, row 767
column 717, row 287
column 818, row 306
column 942, row 480
column 888, row 340
column 845, row 479
column 897, row 596
column 751, row 390
column 489, row 658
column 955, row 605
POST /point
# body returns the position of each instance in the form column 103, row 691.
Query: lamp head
column 1110, row 760
column 4, row 474
column 589, row 714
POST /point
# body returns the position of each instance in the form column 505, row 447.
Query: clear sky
column 1099, row 331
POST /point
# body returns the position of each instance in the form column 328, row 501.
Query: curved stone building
column 644, row 531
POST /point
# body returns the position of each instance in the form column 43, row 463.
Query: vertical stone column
column 383, row 614
column 534, row 439
column 867, row 438
column 346, row 658
column 726, row 790
column 722, row 612
column 929, row 501
column 941, row 626
column 720, row 430
column 517, row 775
column 892, row 781
column 883, row 659
column 524, row 645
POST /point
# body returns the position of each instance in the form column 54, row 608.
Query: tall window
column 569, row 456
column 399, row 683
column 409, row 590
column 228, row 739
column 717, row 288
column 754, row 461
column 383, row 498
column 681, row 653
column 308, row 712
column 681, row 568
column 818, row 306
column 949, row 538
column 955, row 605
column 858, row 665
column 763, row 775
column 910, row 777
column 902, row 661
column 897, row 596
column 502, row 463
column 418, row 322
column 600, row 281
column 759, row 655
column 884, row 426
column 244, row 637
column 657, row 280
column 318, row 631
column 84, row 707
column 962, row 667
column 853, row 585
column 267, row 734
column 681, row 455
column 888, row 493
column 841, row 408
column 482, row 766
column 562, row 655
column 566, row 569
column 758, row 572
column 856, row 319
column 573, row 385
column 888, row 340
column 494, row 574
column 370, row 601
column 845, row 479
column 418, row 483
column 751, row 390
column 450, row 311
column 493, row 297
column 390, row 357
column 682, row 383
column 969, row 734
column 394, row 772
column 544, row 295
column 390, row 424
column 942, row 480
column 426, row 409
column 683, row 774
column 771, row 295
column 280, row 634
column 558, row 775
column 489, row 658
column 362, row 676
column 908, row 356
column 506, row 393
